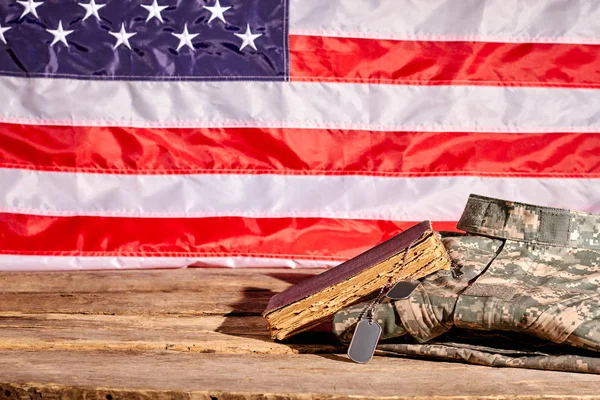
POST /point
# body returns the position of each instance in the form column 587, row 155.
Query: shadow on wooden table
column 237, row 323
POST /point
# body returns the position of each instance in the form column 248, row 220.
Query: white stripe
column 252, row 195
column 299, row 104
column 68, row 263
column 556, row 21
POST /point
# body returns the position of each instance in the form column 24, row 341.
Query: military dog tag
column 402, row 290
column 364, row 341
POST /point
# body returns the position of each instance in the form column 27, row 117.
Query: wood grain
column 166, row 280
column 299, row 376
column 197, row 334
column 192, row 292
column 208, row 334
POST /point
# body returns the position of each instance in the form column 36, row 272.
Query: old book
column 318, row 298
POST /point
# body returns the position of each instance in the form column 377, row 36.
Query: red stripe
column 443, row 63
column 308, row 238
column 297, row 151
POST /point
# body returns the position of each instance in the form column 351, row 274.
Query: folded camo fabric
column 521, row 268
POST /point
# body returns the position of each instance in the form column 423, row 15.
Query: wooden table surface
column 198, row 334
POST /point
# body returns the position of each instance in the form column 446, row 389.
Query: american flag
column 169, row 133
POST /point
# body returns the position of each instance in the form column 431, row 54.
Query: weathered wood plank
column 192, row 292
column 166, row 280
column 180, row 310
column 208, row 334
column 196, row 334
column 202, row 302
column 153, row 375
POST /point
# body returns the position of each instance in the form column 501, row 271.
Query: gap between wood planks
column 185, row 310
column 197, row 334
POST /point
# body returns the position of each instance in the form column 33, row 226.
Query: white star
column 91, row 9
column 30, row 7
column 217, row 11
column 154, row 10
column 60, row 35
column 2, row 30
column 248, row 38
column 122, row 37
column 185, row 38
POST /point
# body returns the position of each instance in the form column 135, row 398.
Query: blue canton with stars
column 144, row 39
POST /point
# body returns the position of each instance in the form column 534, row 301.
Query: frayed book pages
column 318, row 298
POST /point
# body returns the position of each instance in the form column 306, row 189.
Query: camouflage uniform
column 522, row 268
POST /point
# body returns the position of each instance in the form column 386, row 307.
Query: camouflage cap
column 534, row 224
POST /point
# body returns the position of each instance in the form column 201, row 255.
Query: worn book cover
column 316, row 299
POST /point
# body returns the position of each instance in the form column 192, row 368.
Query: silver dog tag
column 402, row 290
column 365, row 339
